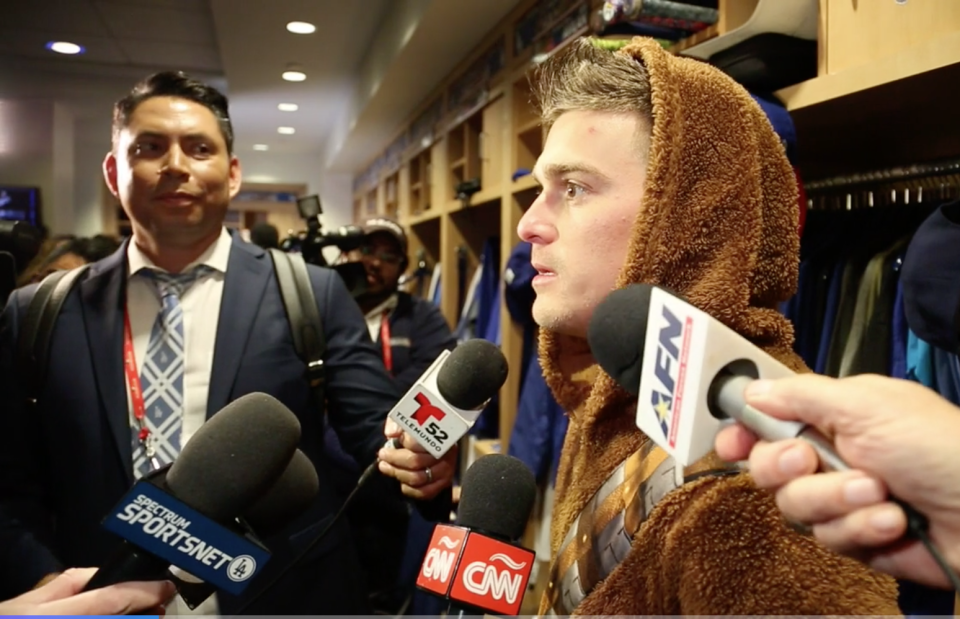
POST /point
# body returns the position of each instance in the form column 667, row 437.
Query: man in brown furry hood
column 662, row 170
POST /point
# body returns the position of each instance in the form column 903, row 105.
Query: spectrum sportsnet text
column 172, row 529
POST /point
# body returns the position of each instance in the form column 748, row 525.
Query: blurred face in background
column 381, row 258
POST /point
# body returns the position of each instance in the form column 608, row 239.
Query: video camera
column 19, row 243
column 312, row 241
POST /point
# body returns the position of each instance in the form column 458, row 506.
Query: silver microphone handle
column 730, row 400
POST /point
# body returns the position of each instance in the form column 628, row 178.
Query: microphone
column 289, row 497
column 184, row 515
column 475, row 564
column 439, row 409
column 689, row 372
column 446, row 400
column 684, row 366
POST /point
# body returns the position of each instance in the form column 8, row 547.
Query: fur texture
column 718, row 224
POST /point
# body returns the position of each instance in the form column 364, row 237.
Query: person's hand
column 421, row 476
column 895, row 434
column 62, row 596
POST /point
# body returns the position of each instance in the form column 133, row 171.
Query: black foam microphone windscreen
column 289, row 497
column 472, row 374
column 617, row 332
column 498, row 493
column 235, row 457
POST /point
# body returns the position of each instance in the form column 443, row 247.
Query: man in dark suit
column 198, row 311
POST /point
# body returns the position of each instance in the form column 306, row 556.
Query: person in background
column 99, row 247
column 265, row 235
column 410, row 333
column 64, row 595
column 69, row 254
column 28, row 274
column 899, row 438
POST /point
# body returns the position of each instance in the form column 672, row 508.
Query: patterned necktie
column 161, row 375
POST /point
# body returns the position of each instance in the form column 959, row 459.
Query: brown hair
column 174, row 84
column 587, row 77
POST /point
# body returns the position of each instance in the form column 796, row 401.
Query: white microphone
column 448, row 398
column 689, row 372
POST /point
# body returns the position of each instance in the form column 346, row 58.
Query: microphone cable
column 917, row 525
column 393, row 443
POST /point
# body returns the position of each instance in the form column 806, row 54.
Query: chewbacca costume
column 631, row 534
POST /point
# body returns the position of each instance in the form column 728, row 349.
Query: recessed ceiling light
column 294, row 76
column 286, row 130
column 288, row 107
column 64, row 47
column 301, row 27
column 260, row 147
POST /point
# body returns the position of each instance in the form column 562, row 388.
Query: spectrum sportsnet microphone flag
column 476, row 571
column 425, row 415
column 153, row 520
column 684, row 350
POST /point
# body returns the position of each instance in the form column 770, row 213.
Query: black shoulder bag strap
column 303, row 315
column 33, row 340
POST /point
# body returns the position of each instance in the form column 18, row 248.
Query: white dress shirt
column 201, row 312
column 375, row 316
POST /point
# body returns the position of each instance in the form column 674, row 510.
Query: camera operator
column 410, row 331
column 410, row 334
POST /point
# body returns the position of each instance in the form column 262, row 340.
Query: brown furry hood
column 718, row 218
column 718, row 223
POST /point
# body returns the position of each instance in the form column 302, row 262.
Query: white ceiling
column 368, row 65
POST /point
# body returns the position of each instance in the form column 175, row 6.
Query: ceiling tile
column 151, row 23
column 196, row 6
column 62, row 16
column 177, row 56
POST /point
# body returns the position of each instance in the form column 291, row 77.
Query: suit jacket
column 65, row 463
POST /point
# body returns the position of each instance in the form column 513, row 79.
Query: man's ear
column 110, row 173
column 236, row 177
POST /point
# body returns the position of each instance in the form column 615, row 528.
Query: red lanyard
column 133, row 384
column 385, row 342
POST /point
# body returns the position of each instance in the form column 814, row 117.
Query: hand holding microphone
column 436, row 412
column 689, row 372
column 439, row 409
column 64, row 595
column 898, row 436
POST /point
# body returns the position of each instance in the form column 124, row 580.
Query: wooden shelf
column 524, row 183
column 432, row 214
column 567, row 12
column 936, row 54
column 459, row 163
column 528, row 126
column 894, row 111
column 483, row 196
column 478, row 199
column 695, row 39
column 486, row 447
